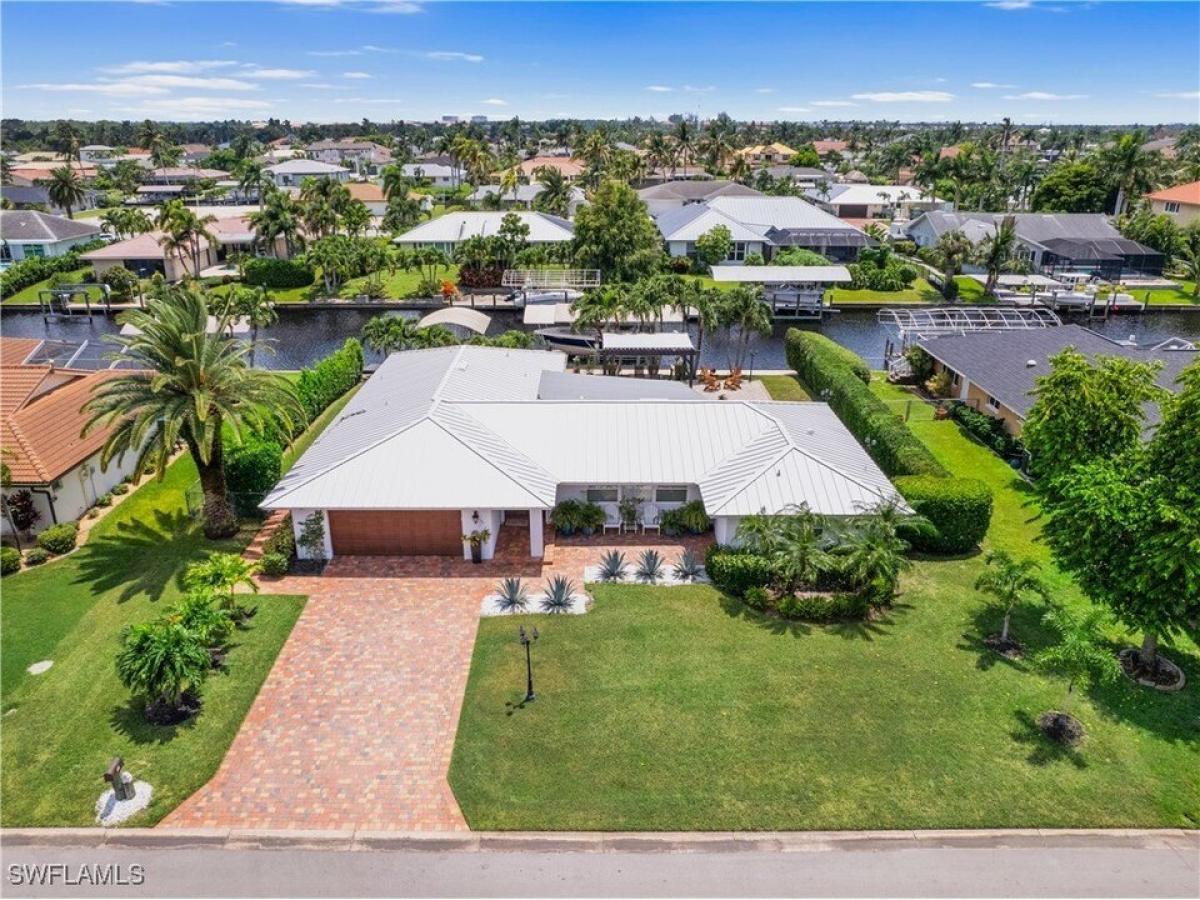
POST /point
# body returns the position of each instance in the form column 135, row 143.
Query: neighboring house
column 996, row 371
column 490, row 447
column 144, row 255
column 362, row 156
column 95, row 152
column 831, row 146
column 767, row 154
column 673, row 194
column 183, row 175
column 873, row 201
column 39, row 173
column 292, row 172
column 437, row 174
column 1181, row 203
column 522, row 196
column 235, row 235
column 762, row 225
column 448, row 231
column 801, row 176
column 193, row 153
column 1050, row 242
column 40, row 423
column 1166, row 146
column 370, row 194
column 25, row 233
column 570, row 168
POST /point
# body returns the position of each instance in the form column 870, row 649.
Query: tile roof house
column 996, row 371
column 27, row 233
column 570, row 168
column 41, row 419
column 1051, row 242
column 480, row 427
column 762, row 225
column 767, row 154
column 446, row 232
column 1181, row 202
column 144, row 255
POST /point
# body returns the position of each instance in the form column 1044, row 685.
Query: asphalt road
column 1164, row 869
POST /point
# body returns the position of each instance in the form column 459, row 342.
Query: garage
column 414, row 532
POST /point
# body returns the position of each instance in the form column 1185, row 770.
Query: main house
column 1050, row 242
column 761, row 225
column 26, row 233
column 444, row 442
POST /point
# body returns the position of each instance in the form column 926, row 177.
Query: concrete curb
column 597, row 842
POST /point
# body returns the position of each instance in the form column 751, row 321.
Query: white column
column 537, row 546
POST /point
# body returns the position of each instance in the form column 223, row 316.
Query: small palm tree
column 160, row 661
column 1009, row 581
column 555, row 195
column 254, row 305
column 66, row 189
column 875, row 556
column 1080, row 657
column 253, row 178
column 995, row 252
column 800, row 559
column 222, row 574
column 198, row 613
column 512, row 596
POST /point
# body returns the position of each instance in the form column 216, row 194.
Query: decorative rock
column 39, row 667
column 591, row 574
column 111, row 811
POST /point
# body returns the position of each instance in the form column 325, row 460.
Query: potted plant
column 477, row 539
column 591, row 518
column 565, row 517
column 631, row 511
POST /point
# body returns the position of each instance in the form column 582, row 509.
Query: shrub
column 37, row 556
column 988, row 430
column 736, row 571
column 251, row 469
column 680, row 265
column 283, row 541
column 120, row 488
column 920, row 362
column 959, row 509
column 32, row 269
column 104, row 500
column 277, row 273
column 757, row 598
column 940, row 384
column 59, row 538
column 320, row 385
column 10, row 560
column 121, row 282
column 823, row 607
column 273, row 565
column 22, row 510
column 825, row 369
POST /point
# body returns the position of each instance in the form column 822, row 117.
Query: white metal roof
column 687, row 223
column 869, row 194
column 462, row 427
column 458, row 315
column 781, row 274
column 305, row 167
column 765, row 213
column 1013, row 279
column 640, row 340
column 458, row 226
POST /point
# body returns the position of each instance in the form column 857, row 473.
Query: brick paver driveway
column 355, row 724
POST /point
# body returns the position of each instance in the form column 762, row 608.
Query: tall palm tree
column 279, row 217
column 253, row 177
column 952, row 249
column 66, row 189
column 555, row 195
column 356, row 218
column 1130, row 166
column 395, row 183
column 743, row 310
column 189, row 386
column 684, row 138
column 996, row 252
column 254, row 305
column 1008, row 580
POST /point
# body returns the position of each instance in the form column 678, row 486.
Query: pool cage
column 916, row 324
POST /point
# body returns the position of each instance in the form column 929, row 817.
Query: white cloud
column 194, row 82
column 832, row 104
column 169, row 67
column 398, row 7
column 229, row 43
column 371, row 48
column 1010, row 4
column 494, row 101
column 395, row 7
column 1044, row 95
column 990, row 85
column 1179, row 95
column 453, row 56
column 278, row 74
column 659, row 88
column 357, row 75
column 318, row 85
column 198, row 107
column 383, row 101
column 108, row 89
column 692, row 89
column 764, row 90
column 905, row 96
column 794, row 109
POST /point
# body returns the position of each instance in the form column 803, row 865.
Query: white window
column 35, row 250
column 670, row 495
column 602, row 495
column 993, row 403
column 738, row 252
column 1172, row 207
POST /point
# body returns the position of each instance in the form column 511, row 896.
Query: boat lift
column 551, row 279
column 792, row 292
column 55, row 302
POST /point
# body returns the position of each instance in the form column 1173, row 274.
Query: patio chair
column 650, row 517
column 612, row 519
column 711, row 383
column 734, row 381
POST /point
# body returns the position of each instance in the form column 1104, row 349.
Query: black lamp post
column 527, row 640
column 751, row 365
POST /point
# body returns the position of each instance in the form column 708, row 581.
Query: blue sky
column 327, row 60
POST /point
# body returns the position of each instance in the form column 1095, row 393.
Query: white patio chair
column 612, row 518
column 650, row 517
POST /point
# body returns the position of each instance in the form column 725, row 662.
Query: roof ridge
column 532, row 463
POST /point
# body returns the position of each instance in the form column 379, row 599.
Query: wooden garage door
column 428, row 532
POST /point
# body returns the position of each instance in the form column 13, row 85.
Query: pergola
column 639, row 345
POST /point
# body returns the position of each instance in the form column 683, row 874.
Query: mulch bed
column 1061, row 728
column 1008, row 648
column 1164, row 676
column 167, row 714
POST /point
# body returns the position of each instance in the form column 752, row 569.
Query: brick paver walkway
column 355, row 724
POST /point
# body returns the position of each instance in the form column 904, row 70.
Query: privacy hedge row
column 959, row 508
column 277, row 273
column 251, row 469
column 33, row 269
column 736, row 571
column 830, row 375
column 988, row 430
column 320, row 385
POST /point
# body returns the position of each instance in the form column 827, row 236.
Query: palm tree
column 743, row 310
column 395, row 183
column 334, row 257
column 658, row 151
column 279, row 217
column 147, row 134
column 555, row 195
column 254, row 305
column 684, row 138
column 403, row 212
column 387, row 334
column 189, row 385
column 222, row 574
column 1008, row 581
column 510, row 178
column 952, row 249
column 66, row 189
column 164, row 152
column 160, row 661
column 253, row 177
column 1080, row 657
column 995, row 252
column 1131, row 167
column 356, row 218
column 799, row 557
column 875, row 554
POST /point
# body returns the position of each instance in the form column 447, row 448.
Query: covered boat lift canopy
column 543, row 314
column 780, row 275
column 1009, row 279
column 471, row 319
column 552, row 279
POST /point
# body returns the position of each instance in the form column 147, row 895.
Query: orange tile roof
column 1181, row 193
column 17, row 383
column 366, row 191
column 570, row 168
column 14, row 351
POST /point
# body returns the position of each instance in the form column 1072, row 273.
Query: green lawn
column 675, row 708
column 784, row 387
column 1183, row 295
column 969, row 291
column 397, row 286
column 30, row 294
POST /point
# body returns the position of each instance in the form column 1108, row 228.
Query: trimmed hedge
column 823, row 607
column 32, row 269
column 277, row 273
column 58, row 539
column 828, row 373
column 37, row 556
column 251, row 469
column 10, row 560
column 736, row 571
column 988, row 430
column 959, row 508
column 273, row 565
column 320, row 385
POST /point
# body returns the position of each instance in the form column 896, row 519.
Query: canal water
column 304, row 335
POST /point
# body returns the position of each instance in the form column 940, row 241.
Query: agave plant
column 689, row 566
column 559, row 594
column 612, row 566
column 511, row 595
column 650, row 566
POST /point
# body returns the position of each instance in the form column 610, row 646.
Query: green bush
column 10, row 560
column 37, row 556
column 59, row 538
column 823, row 607
column 32, row 269
column 277, row 273
column 736, row 571
column 120, row 488
column 283, row 541
column 273, row 565
column 320, row 385
column 251, row 469
column 988, row 430
column 104, row 500
column 828, row 374
column 757, row 598
column 121, row 282
column 959, row 509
